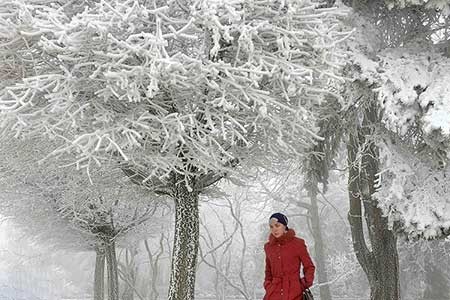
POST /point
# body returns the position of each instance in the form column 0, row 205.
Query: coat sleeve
column 268, row 271
column 308, row 266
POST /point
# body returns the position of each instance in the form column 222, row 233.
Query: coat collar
column 288, row 236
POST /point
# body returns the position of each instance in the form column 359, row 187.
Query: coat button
column 279, row 257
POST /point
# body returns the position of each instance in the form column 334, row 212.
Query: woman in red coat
column 285, row 255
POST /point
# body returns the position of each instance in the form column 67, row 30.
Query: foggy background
column 234, row 228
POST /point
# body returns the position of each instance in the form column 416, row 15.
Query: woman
column 285, row 254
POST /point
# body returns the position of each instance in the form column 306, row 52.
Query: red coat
column 284, row 257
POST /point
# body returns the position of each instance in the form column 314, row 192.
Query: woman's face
column 277, row 229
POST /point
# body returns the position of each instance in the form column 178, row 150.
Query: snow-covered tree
column 410, row 86
column 61, row 206
column 177, row 93
column 396, row 66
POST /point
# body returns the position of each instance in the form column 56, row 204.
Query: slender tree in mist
column 68, row 210
column 316, row 167
column 154, row 257
column 128, row 272
column 175, row 93
column 229, row 253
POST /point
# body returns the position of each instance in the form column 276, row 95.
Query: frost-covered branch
column 106, row 208
column 132, row 80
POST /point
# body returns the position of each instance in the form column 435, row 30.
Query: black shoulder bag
column 307, row 295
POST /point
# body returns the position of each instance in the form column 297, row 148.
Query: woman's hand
column 305, row 284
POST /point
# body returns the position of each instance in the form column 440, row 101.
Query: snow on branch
column 442, row 5
column 413, row 191
column 63, row 205
column 412, row 89
column 170, row 84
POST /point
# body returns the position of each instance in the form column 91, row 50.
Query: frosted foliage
column 162, row 85
column 61, row 204
column 413, row 192
column 413, row 90
column 443, row 5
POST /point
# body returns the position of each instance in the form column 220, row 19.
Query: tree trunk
column 99, row 274
column 319, row 250
column 111, row 266
column 129, row 274
column 184, row 258
column 380, row 263
column 154, row 267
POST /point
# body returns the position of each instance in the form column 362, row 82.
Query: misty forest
column 145, row 144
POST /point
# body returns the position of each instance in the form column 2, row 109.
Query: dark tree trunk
column 111, row 266
column 186, row 237
column 184, row 258
column 99, row 275
column 380, row 262
column 319, row 250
